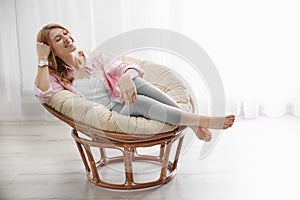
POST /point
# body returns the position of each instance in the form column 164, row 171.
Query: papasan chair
column 107, row 139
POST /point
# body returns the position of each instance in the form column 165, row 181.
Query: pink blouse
column 107, row 69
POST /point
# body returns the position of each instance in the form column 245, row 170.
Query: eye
column 58, row 39
column 65, row 32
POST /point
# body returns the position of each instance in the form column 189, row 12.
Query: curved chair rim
column 113, row 136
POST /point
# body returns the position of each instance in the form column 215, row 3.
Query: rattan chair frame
column 87, row 137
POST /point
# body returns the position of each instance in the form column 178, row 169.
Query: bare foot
column 216, row 122
column 202, row 133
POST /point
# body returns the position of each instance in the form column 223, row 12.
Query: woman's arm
column 42, row 80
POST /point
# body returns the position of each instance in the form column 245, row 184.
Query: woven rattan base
column 129, row 155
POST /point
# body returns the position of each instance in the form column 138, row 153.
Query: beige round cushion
column 98, row 116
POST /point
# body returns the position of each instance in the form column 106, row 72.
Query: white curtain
column 254, row 45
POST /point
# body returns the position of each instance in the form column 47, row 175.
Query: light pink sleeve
column 100, row 62
column 128, row 65
column 110, row 69
column 116, row 68
column 45, row 96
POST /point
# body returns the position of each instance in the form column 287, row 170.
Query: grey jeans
column 151, row 103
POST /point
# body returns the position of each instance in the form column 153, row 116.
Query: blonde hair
column 56, row 65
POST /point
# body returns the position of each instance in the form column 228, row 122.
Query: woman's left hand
column 127, row 89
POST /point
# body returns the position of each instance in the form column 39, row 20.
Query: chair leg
column 103, row 156
column 174, row 165
column 162, row 151
column 128, row 166
column 80, row 149
column 92, row 163
column 163, row 174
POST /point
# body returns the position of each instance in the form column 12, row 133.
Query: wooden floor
column 256, row 159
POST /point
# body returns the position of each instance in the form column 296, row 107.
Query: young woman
column 120, row 85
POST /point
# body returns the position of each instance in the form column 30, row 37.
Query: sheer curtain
column 10, row 82
column 254, row 45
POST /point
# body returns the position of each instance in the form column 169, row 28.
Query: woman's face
column 62, row 42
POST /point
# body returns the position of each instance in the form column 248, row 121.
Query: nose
column 65, row 38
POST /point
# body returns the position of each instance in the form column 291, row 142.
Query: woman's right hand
column 43, row 51
column 127, row 89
